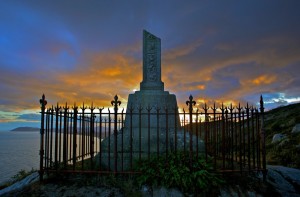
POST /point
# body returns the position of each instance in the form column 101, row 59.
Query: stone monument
column 144, row 132
column 152, row 94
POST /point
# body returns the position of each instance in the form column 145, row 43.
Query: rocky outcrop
column 160, row 192
column 278, row 137
column 19, row 185
column 285, row 180
column 296, row 129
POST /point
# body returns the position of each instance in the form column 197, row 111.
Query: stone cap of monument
column 151, row 63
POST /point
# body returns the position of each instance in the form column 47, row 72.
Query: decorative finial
column 116, row 102
column 190, row 103
column 43, row 102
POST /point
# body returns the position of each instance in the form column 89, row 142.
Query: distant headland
column 26, row 129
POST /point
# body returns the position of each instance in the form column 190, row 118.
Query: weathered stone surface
column 162, row 192
column 152, row 99
column 291, row 174
column 20, row 184
column 151, row 63
column 285, row 180
column 278, row 137
column 296, row 128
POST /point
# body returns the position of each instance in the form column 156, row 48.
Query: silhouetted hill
column 26, row 129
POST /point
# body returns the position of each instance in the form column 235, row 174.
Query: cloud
column 264, row 79
column 183, row 50
column 29, row 117
column 90, row 52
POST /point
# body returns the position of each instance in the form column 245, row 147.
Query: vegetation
column 17, row 177
column 176, row 171
column 279, row 120
column 282, row 120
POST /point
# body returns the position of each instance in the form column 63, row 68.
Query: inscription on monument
column 151, row 67
column 151, row 63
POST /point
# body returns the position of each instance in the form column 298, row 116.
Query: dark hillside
column 281, row 121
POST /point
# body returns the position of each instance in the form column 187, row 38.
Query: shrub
column 176, row 171
column 21, row 175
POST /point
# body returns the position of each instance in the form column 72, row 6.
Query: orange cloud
column 102, row 77
column 264, row 79
column 201, row 87
column 112, row 72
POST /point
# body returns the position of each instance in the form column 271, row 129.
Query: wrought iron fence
column 97, row 140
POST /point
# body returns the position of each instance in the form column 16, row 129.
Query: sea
column 18, row 151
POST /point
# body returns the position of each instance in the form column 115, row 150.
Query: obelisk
column 151, row 63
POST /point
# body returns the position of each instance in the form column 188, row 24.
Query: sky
column 88, row 51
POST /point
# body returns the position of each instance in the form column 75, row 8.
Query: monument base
column 152, row 128
column 152, row 101
column 145, row 143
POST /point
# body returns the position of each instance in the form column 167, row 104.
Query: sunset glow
column 79, row 52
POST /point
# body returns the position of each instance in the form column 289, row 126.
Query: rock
column 162, row 192
column 229, row 192
column 296, row 129
column 236, row 191
column 290, row 174
column 285, row 180
column 21, row 184
column 279, row 183
column 277, row 137
column 147, row 191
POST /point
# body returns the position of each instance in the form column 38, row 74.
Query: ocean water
column 18, row 150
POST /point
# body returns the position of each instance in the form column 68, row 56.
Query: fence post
column 206, row 131
column 131, row 148
column 75, row 108
column 57, row 109
column 43, row 103
column 65, row 137
column 115, row 103
column 263, row 136
column 83, row 108
column 148, row 110
column 190, row 103
column 223, row 135
column 157, row 129
column 92, row 134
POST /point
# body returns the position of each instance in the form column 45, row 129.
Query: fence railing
column 97, row 140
